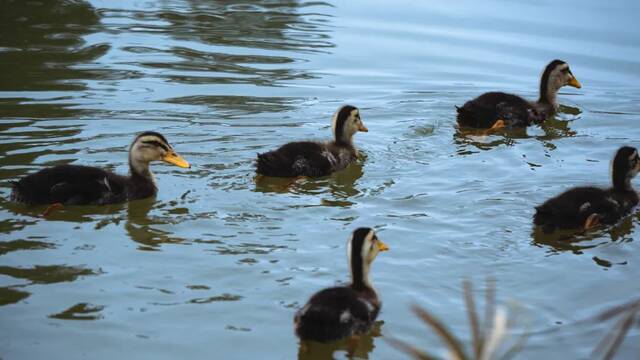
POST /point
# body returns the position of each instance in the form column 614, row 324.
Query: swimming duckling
column 498, row 109
column 586, row 207
column 78, row 185
column 338, row 312
column 309, row 158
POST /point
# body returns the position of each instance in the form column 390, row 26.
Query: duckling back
column 572, row 208
column 304, row 158
column 69, row 184
column 486, row 109
column 336, row 313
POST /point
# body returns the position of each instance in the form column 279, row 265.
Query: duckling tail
column 262, row 163
column 543, row 216
column 16, row 192
column 466, row 117
column 272, row 164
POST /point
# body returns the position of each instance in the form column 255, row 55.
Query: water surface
column 216, row 265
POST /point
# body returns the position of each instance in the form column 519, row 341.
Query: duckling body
column 306, row 158
column 585, row 207
column 499, row 109
column 309, row 158
column 82, row 185
column 571, row 209
column 72, row 185
column 338, row 312
column 486, row 109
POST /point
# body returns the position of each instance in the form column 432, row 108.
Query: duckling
column 309, row 158
column 586, row 207
column 338, row 312
column 498, row 109
column 81, row 185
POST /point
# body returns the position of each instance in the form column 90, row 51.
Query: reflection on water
column 579, row 242
column 483, row 141
column 41, row 41
column 47, row 274
column 355, row 348
column 9, row 295
column 23, row 143
column 42, row 47
column 18, row 245
column 623, row 230
column 139, row 226
column 229, row 107
column 72, row 213
column 14, row 224
column 247, row 249
column 81, row 311
column 341, row 185
column 271, row 30
column 566, row 240
column 557, row 127
column 264, row 24
column 554, row 128
column 39, row 274
column 224, row 80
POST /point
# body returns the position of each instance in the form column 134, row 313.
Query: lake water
column 216, row 265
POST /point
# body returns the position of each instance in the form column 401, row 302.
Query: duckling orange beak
column 574, row 82
column 175, row 159
column 382, row 246
column 362, row 128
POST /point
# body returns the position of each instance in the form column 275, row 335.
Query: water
column 216, row 265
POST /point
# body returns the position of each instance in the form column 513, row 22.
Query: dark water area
column 216, row 264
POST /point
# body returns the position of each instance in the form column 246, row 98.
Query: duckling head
column 625, row 166
column 152, row 146
column 362, row 249
column 556, row 75
column 346, row 122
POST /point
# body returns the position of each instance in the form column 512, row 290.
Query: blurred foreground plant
column 611, row 342
column 488, row 337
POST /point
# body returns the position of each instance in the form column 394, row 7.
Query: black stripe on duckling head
column 160, row 140
column 156, row 143
column 362, row 249
column 625, row 166
column 356, row 261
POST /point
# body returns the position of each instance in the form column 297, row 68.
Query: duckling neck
column 344, row 141
column 548, row 94
column 621, row 182
column 360, row 276
column 142, row 183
